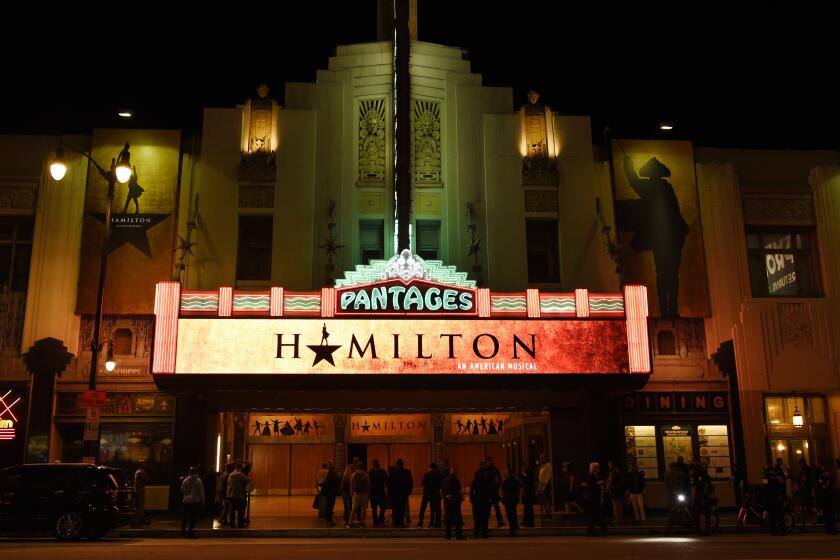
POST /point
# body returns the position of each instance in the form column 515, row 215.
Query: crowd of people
column 599, row 497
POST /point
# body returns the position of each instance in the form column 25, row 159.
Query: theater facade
column 403, row 358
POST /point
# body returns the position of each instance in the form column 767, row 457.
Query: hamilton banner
column 658, row 219
column 140, row 251
column 338, row 346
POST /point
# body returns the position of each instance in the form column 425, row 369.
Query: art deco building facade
column 741, row 326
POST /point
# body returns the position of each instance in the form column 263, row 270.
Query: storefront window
column 676, row 443
column 125, row 445
column 713, row 442
column 640, row 444
column 789, row 442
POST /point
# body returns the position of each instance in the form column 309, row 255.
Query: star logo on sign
column 366, row 426
column 323, row 353
column 131, row 229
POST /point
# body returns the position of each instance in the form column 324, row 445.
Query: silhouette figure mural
column 135, row 191
column 289, row 427
column 479, row 425
column 657, row 215
column 658, row 226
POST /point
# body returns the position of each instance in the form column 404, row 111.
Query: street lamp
column 120, row 171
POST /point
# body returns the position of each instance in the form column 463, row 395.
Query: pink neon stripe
column 167, row 299
column 276, row 302
column 225, row 301
column 638, row 345
column 582, row 302
column 533, row 302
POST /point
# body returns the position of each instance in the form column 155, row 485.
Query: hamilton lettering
column 484, row 346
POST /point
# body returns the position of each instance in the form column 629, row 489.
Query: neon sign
column 362, row 325
column 7, row 417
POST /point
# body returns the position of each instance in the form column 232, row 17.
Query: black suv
column 74, row 500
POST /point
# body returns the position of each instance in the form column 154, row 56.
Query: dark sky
column 729, row 76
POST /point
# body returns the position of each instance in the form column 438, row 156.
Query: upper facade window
column 15, row 252
column 783, row 263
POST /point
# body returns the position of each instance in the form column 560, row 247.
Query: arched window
column 666, row 343
column 122, row 341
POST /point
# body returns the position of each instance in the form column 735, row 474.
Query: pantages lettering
column 484, row 346
column 400, row 297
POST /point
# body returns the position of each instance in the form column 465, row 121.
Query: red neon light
column 225, row 301
column 8, row 406
column 327, row 302
column 582, row 302
column 636, row 310
column 483, row 302
column 167, row 303
column 276, row 305
column 533, row 302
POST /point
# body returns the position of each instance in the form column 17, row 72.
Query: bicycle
column 681, row 514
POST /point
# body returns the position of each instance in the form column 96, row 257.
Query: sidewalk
column 169, row 526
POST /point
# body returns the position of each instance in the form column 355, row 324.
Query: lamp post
column 119, row 171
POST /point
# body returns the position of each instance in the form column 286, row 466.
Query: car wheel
column 68, row 526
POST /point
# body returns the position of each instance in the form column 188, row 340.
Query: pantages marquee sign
column 405, row 315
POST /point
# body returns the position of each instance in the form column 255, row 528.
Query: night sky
column 726, row 76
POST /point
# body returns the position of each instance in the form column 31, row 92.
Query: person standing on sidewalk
column 450, row 490
column 360, row 484
column 544, row 486
column 568, row 490
column 238, row 488
column 616, row 488
column 529, row 496
column 400, row 484
column 140, row 481
column 824, row 486
column 378, row 500
column 482, row 489
column 347, row 491
column 431, row 496
column 636, row 484
column 511, row 490
column 223, row 499
column 593, row 494
column 192, row 495
column 497, row 482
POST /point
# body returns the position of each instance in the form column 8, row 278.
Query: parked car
column 74, row 500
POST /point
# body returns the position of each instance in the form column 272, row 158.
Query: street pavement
column 724, row 547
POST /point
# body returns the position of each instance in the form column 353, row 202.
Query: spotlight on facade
column 124, row 165
column 58, row 168
column 666, row 125
column 125, row 113
column 110, row 362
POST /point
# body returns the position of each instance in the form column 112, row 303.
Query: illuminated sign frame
column 208, row 322
column 8, row 420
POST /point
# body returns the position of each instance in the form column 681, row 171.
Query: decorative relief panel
column 541, row 201
column 18, row 198
column 134, row 364
column 371, row 203
column 427, row 203
column 372, row 142
column 795, row 324
column 12, row 310
column 426, row 143
column 256, row 196
column 781, row 209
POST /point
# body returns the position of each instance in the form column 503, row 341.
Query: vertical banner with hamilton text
column 142, row 221
column 659, row 229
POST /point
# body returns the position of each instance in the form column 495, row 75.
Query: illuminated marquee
column 362, row 326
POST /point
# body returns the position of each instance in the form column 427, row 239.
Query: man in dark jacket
column 497, row 482
column 511, row 489
column 431, row 496
column 529, row 496
column 399, row 483
column 378, row 476
column 482, row 489
column 450, row 491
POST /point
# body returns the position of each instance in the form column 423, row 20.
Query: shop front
column 662, row 427
column 403, row 359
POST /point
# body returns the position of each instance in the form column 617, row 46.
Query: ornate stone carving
column 426, row 143
column 541, row 201
column 783, row 209
column 12, row 311
column 260, row 126
column 258, row 167
column 795, row 324
column 406, row 267
column 539, row 170
column 372, row 142
column 18, row 198
column 256, row 196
